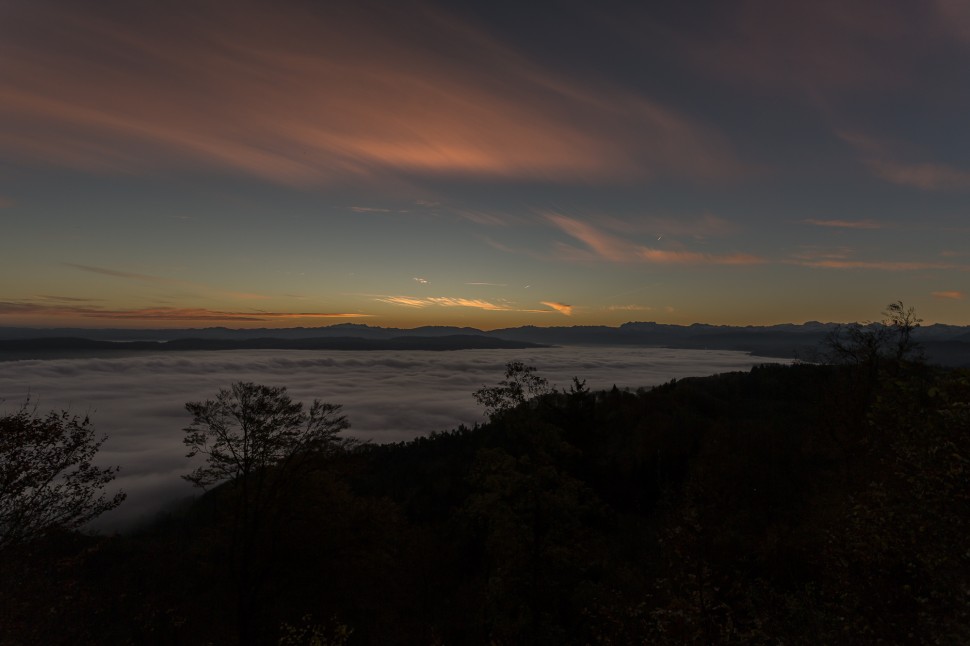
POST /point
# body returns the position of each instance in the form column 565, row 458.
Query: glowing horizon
column 233, row 164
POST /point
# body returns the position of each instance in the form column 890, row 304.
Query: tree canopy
column 521, row 384
column 47, row 479
column 248, row 427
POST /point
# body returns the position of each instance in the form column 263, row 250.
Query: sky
column 490, row 164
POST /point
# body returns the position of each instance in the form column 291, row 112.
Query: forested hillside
column 802, row 504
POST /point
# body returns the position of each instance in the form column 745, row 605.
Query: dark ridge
column 946, row 345
column 24, row 348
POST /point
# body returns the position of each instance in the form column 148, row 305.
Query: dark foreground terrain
column 803, row 504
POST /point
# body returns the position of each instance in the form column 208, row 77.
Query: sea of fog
column 139, row 402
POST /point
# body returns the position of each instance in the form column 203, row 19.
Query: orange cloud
column 404, row 300
column 446, row 301
column 951, row 295
column 449, row 301
column 562, row 308
column 289, row 95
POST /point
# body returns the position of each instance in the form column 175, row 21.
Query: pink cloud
column 954, row 18
column 926, row 176
column 283, row 94
column 604, row 246
column 951, row 295
column 812, row 48
column 882, row 157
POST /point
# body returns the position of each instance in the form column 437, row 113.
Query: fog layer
column 139, row 402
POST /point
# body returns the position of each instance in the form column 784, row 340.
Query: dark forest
column 801, row 504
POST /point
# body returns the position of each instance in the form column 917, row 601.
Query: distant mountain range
column 67, row 346
column 944, row 344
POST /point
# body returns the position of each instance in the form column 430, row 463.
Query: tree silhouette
column 521, row 384
column 249, row 427
column 261, row 442
column 871, row 344
column 47, row 480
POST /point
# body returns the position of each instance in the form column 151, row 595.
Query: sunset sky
column 257, row 164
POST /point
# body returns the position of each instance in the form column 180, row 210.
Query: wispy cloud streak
column 114, row 273
column 845, row 224
column 885, row 161
column 884, row 265
column 285, row 94
column 27, row 309
column 605, row 246
column 562, row 308
column 122, row 274
column 451, row 301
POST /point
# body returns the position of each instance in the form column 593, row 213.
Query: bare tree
column 47, row 479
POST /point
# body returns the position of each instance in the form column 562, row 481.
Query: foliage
column 47, row 479
column 521, row 384
column 262, row 442
column 873, row 343
column 310, row 633
column 778, row 505
column 249, row 427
